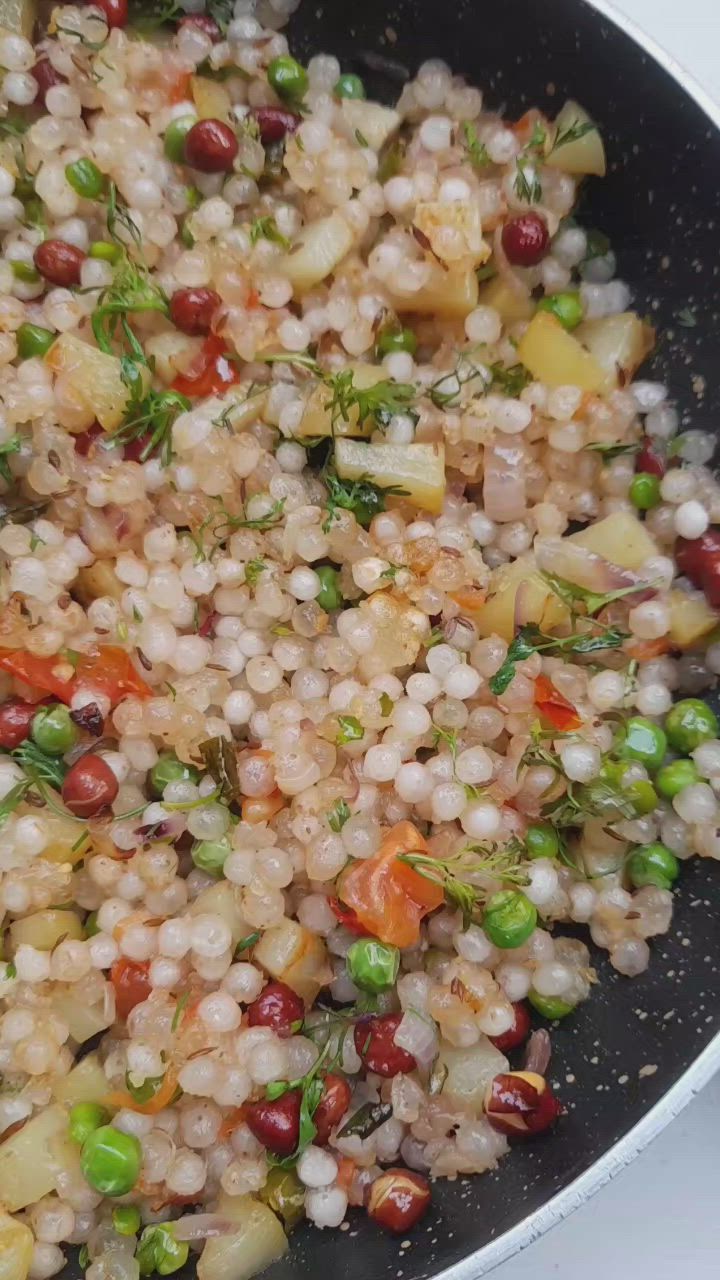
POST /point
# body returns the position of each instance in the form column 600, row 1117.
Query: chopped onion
column 418, row 1035
column 202, row 1226
column 538, row 1051
column 565, row 559
column 504, row 496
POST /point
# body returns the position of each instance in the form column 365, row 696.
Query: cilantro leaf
column 351, row 730
column 570, row 593
column 338, row 816
column 267, row 229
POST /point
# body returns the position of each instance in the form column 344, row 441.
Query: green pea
column 168, row 768
column 566, row 307
column 645, row 491
column 91, row 925
column 653, row 864
column 551, row 1007
column 126, row 1219
column 509, row 919
column 85, row 1118
column 175, row 136
column 689, row 723
column 158, row 1250
column 372, row 965
column 288, row 79
column 210, row 855
column 186, row 236
column 105, row 251
column 110, row 1161
column 391, row 339
column 642, row 796
column 642, row 739
column 541, row 841
column 193, row 198
column 349, row 87
column 53, row 730
column 24, row 271
column 85, row 178
column 330, row 596
column 33, row 340
column 675, row 777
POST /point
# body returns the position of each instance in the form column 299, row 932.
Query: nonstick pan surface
column 633, row 1054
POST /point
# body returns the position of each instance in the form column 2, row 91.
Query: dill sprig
column 154, row 418
column 455, row 874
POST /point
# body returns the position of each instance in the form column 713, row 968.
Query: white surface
column 659, row 1218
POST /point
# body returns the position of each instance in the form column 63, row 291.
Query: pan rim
column 707, row 1064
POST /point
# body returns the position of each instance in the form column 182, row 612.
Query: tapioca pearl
column 696, row 804
column 514, row 979
column 650, row 620
column 187, row 1173
column 462, row 681
column 483, row 325
column 422, row 687
column 291, row 457
column 570, row 246
column 678, row 486
column 707, row 758
column 381, row 763
column 441, row 659
column 662, row 422
column 691, row 519
column 254, row 643
column 509, row 416
column 448, row 801
column 326, row 1206
column 606, row 690
column 316, row 1167
column 580, row 760
column 474, row 945
column 659, row 570
column 411, row 718
column 238, row 707
column 474, row 766
column 481, row 820
column 210, row 935
column 400, row 366
column 31, row 965
column 543, row 882
column 413, row 783
column 243, row 982
column 219, row 1012
column 653, row 699
column 502, row 145
column 482, row 528
column 436, row 133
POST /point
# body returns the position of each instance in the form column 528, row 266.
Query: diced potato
column 586, row 154
column 84, row 1021
column 94, row 377
column 469, row 1073
column 508, row 302
column 258, row 1241
column 223, row 899
column 98, row 579
column 18, row 16
column 16, row 1247
column 619, row 343
column 451, row 295
column 374, row 123
column 30, row 1158
column 318, row 250
column 540, row 604
column 317, row 418
column 292, row 954
column 211, row 98
column 691, row 618
column 86, row 1082
column 44, row 929
column 620, row 538
column 417, row 469
column 435, row 217
column 556, row 358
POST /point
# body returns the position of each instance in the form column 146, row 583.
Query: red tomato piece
column 554, row 707
column 390, row 898
column 211, row 373
column 347, row 917
column 106, row 669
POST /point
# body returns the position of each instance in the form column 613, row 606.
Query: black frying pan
column 659, row 207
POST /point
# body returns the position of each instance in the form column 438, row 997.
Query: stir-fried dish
column 358, row 603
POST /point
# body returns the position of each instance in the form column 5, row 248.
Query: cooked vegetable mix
column 358, row 613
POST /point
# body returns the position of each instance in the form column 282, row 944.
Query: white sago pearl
column 291, row 457
column 653, row 699
column 514, row 980
column 315, row 913
column 448, row 801
column 482, row 528
column 422, row 687
column 707, row 758
column 20, row 88
column 474, row 766
column 304, row 583
column 647, row 395
column 580, row 761
column 473, row 945
column 191, row 654
column 552, row 978
column 157, row 638
column 411, row 718
column 582, row 902
column 16, row 53
column 696, row 804
column 413, row 783
column 263, row 674
column 650, row 620
column 606, row 690
column 630, row 957
column 267, row 1061
column 111, row 912
column 399, row 365
column 238, row 707
column 381, row 763
column 435, row 133
column 481, row 820
column 662, row 422
column 53, row 1220
column 138, row 942
column 31, row 965
column 501, row 145
column 30, row 836
column 219, row 1012
column 48, row 1259
column 483, row 325
column 691, row 519
column 543, row 882
column 164, row 973
column 199, row 1076
column 210, row 936
column 116, row 761
column 103, row 951
column 244, row 982
column 510, row 416
column 399, row 194
column 186, row 1174
column 294, row 335
column 317, row 1168
column 441, row 659
column 462, row 682
column 677, row 486
column 326, row 1206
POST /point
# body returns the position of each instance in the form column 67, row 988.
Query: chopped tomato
column 210, row 373
column 470, row 598
column 345, row 1173
column 179, row 90
column 257, row 809
column 389, row 897
column 348, row 918
column 646, row 650
column 554, row 707
column 131, row 981
column 106, row 668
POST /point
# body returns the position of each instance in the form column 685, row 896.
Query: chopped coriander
column 386, row 705
column 610, row 451
column 379, row 402
column 153, row 422
column 686, row 318
column 510, row 380
column 338, row 816
column 246, row 943
column 254, row 570
column 449, row 873
column 530, row 640
column 351, row 730
column 571, row 594
column 267, row 229
column 364, row 498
